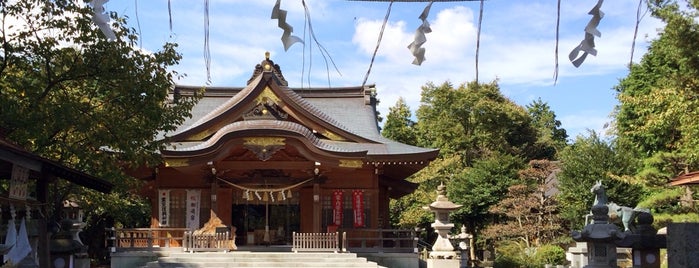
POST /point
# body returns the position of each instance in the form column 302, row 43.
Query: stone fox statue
column 617, row 213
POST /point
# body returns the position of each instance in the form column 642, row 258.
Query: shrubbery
column 511, row 254
column 549, row 254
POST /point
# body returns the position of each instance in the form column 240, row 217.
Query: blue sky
column 517, row 47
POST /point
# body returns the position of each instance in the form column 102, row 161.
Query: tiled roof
column 274, row 127
column 348, row 112
column 347, row 107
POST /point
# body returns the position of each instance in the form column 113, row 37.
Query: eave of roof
column 12, row 153
column 262, row 128
column 350, row 106
column 686, row 179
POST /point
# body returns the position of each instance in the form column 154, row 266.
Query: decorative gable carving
column 267, row 107
column 265, row 111
column 264, row 147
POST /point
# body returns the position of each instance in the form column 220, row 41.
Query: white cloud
column 517, row 47
column 393, row 42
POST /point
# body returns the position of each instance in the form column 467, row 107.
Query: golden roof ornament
column 266, row 66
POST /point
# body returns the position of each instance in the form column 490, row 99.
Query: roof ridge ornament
column 268, row 66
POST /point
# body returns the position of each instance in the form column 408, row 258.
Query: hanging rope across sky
column 577, row 55
column 415, row 47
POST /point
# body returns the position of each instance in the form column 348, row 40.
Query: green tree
column 656, row 116
column 473, row 120
column 481, row 186
column 551, row 137
column 529, row 211
column 658, row 105
column 484, row 139
column 399, row 126
column 408, row 211
column 69, row 94
column 584, row 162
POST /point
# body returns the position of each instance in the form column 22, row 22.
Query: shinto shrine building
column 270, row 160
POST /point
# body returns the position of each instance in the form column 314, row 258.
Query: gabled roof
column 262, row 89
column 333, row 120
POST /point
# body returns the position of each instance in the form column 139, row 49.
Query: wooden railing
column 353, row 240
column 143, row 238
column 219, row 241
column 358, row 240
column 381, row 240
column 316, row 242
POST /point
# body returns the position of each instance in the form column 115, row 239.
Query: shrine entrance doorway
column 266, row 223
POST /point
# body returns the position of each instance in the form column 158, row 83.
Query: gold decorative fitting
column 201, row 135
column 350, row 163
column 332, row 136
column 264, row 147
column 266, row 96
column 268, row 67
column 265, row 141
column 176, row 163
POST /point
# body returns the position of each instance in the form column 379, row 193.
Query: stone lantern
column 600, row 236
column 65, row 246
column 645, row 242
column 74, row 214
column 465, row 245
column 443, row 254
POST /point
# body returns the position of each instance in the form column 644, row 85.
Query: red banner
column 358, row 207
column 337, row 208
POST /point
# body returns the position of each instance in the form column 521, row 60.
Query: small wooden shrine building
column 26, row 178
column 270, row 160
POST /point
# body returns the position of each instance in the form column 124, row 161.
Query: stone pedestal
column 683, row 245
column 66, row 251
column 443, row 263
column 577, row 255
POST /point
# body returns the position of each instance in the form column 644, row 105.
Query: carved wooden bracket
column 264, row 147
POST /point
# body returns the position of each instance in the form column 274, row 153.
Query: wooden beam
column 243, row 165
column 269, row 181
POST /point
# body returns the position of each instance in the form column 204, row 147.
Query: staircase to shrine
column 260, row 259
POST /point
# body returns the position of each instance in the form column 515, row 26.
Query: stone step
column 249, row 254
column 257, row 265
column 260, row 259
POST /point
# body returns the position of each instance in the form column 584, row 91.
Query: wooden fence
column 316, row 242
column 381, row 240
column 219, row 241
column 352, row 240
column 143, row 238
